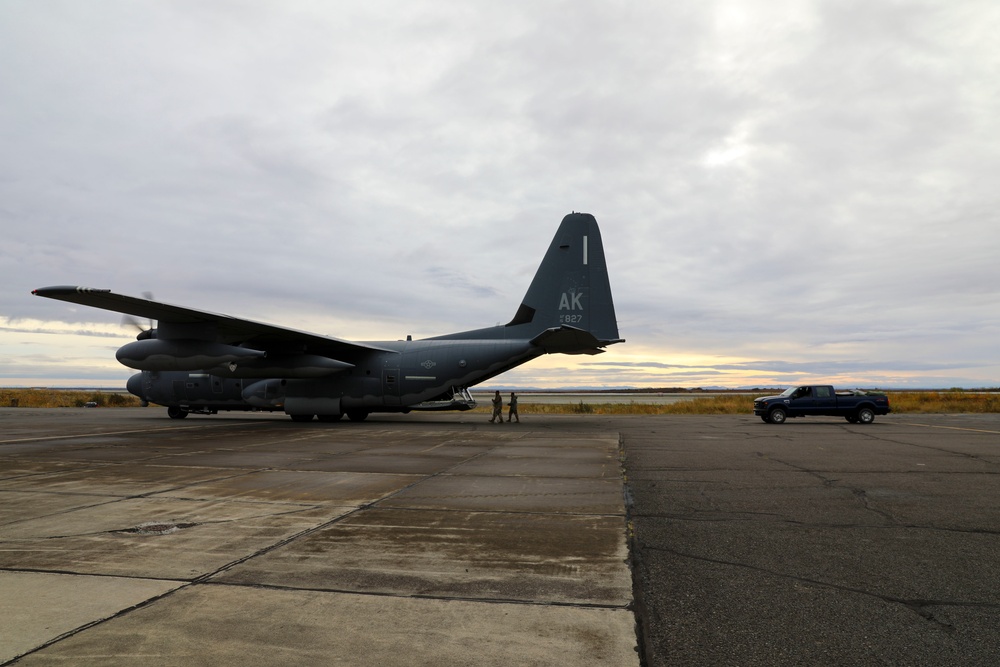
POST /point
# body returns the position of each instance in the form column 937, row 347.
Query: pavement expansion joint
column 366, row 540
column 418, row 596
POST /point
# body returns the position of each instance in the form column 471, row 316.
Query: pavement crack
column 857, row 492
column 921, row 607
column 940, row 450
column 99, row 621
column 862, row 495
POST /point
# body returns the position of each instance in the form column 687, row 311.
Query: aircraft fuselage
column 421, row 375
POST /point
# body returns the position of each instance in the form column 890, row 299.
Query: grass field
column 902, row 402
column 59, row 398
column 945, row 402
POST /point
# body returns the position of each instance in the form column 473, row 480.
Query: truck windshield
column 789, row 391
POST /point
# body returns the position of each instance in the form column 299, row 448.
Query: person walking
column 512, row 410
column 497, row 408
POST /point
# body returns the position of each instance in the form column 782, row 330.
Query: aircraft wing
column 232, row 330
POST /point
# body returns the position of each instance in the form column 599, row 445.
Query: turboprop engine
column 266, row 394
column 182, row 355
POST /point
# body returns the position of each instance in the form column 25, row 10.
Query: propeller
column 147, row 328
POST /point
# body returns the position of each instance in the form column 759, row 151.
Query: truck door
column 826, row 401
column 802, row 402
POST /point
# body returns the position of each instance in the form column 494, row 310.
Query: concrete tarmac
column 129, row 538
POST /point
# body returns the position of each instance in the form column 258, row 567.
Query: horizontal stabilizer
column 570, row 340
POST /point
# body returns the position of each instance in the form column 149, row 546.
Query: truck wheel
column 175, row 412
column 764, row 419
column 777, row 416
column 866, row 416
column 852, row 419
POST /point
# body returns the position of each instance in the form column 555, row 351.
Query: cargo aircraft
column 202, row 362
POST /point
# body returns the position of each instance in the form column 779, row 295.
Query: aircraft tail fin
column 568, row 306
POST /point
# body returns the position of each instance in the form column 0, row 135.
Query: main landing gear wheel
column 777, row 416
column 175, row 412
column 301, row 418
column 357, row 415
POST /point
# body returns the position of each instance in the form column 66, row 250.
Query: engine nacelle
column 181, row 355
column 283, row 366
column 266, row 394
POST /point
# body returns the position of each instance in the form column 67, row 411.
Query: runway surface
column 817, row 542
column 129, row 538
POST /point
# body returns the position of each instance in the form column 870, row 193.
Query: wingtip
column 66, row 289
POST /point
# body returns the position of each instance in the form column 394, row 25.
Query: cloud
column 795, row 180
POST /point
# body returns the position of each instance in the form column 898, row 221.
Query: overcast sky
column 788, row 191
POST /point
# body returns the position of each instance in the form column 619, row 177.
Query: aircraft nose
column 134, row 386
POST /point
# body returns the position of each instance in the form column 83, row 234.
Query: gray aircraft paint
column 196, row 361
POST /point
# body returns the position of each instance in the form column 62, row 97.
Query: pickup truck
column 857, row 407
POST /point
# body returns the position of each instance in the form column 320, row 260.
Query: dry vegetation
column 59, row 398
column 731, row 404
column 944, row 401
column 954, row 401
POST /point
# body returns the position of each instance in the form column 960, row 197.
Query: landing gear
column 353, row 415
column 175, row 412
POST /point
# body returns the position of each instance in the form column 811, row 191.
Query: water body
column 597, row 398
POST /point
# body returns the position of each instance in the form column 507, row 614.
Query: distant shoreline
column 699, row 391
column 598, row 402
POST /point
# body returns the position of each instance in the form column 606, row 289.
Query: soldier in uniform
column 512, row 410
column 497, row 408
